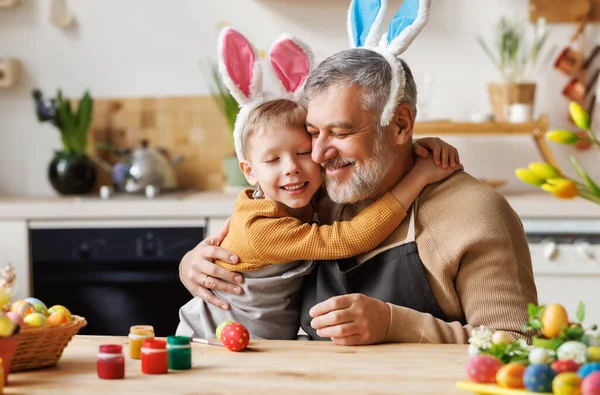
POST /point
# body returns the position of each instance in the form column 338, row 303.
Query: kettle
column 144, row 168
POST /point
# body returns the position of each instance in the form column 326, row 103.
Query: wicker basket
column 42, row 347
column 502, row 96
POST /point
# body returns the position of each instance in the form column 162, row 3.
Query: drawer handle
column 584, row 251
column 550, row 250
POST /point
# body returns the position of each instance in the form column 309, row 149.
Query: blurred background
column 152, row 49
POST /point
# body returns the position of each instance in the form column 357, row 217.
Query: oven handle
column 112, row 277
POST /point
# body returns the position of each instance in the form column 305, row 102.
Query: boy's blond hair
column 274, row 113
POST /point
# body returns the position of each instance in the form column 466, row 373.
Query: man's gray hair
column 368, row 69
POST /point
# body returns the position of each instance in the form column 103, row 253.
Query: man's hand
column 351, row 320
column 199, row 274
column 444, row 154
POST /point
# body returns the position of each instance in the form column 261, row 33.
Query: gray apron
column 268, row 307
column 396, row 276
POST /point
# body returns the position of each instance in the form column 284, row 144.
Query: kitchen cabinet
column 14, row 249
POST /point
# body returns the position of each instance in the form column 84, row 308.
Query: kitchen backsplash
column 188, row 126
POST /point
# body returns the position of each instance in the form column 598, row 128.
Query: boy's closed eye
column 271, row 160
column 305, row 153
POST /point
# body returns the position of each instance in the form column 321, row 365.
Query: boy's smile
column 280, row 162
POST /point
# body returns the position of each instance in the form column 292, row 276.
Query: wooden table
column 270, row 366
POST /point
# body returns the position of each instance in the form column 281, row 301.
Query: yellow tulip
column 565, row 137
column 561, row 188
column 529, row 177
column 544, row 170
column 579, row 116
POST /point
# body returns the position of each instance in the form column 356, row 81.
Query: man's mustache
column 336, row 162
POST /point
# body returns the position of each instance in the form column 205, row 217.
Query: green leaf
column 536, row 323
column 531, row 310
column 580, row 314
column 83, row 120
column 584, row 177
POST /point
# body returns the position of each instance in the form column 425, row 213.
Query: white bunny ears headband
column 290, row 60
column 365, row 20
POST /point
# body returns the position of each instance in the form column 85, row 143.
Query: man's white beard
column 365, row 179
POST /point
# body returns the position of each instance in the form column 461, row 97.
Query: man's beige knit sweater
column 476, row 257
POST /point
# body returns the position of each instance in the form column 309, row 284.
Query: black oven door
column 114, row 277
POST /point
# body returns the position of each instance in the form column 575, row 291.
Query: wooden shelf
column 571, row 11
column 483, row 128
column 536, row 129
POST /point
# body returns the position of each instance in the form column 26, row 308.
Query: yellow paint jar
column 137, row 335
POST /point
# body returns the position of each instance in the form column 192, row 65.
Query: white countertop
column 220, row 205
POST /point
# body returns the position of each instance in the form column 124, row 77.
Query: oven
column 114, row 273
column 565, row 254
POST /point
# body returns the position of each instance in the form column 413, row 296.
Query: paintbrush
column 209, row 342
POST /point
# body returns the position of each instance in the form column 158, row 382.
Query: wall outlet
column 9, row 72
column 8, row 3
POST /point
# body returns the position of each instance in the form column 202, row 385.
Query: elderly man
column 460, row 260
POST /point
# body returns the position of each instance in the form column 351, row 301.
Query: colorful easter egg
column 540, row 356
column 235, row 337
column 591, row 384
column 567, row 383
column 7, row 327
column 577, row 351
column 568, row 365
column 588, row 368
column 15, row 318
column 538, row 378
column 57, row 318
column 220, row 328
column 22, row 307
column 38, row 305
column 500, row 337
column 58, row 307
column 594, row 354
column 554, row 320
column 511, row 375
column 35, row 319
column 483, row 368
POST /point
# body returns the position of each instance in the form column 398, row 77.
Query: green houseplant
column 229, row 108
column 71, row 171
column 515, row 52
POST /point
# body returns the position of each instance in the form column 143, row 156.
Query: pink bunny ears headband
column 365, row 20
column 290, row 60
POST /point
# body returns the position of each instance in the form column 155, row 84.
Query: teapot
column 144, row 168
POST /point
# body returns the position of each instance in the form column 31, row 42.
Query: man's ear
column 246, row 168
column 404, row 121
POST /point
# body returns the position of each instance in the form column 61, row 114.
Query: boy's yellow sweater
column 262, row 233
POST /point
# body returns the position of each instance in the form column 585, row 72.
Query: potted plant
column 552, row 180
column 229, row 108
column 71, row 171
column 515, row 53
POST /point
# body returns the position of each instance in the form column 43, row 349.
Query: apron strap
column 410, row 236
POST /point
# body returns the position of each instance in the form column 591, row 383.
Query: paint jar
column 155, row 359
column 111, row 362
column 137, row 335
column 180, row 352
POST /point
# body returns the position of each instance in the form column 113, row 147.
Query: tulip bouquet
column 552, row 180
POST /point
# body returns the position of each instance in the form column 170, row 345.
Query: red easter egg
column 235, row 337
column 483, row 368
column 562, row 366
column 591, row 384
